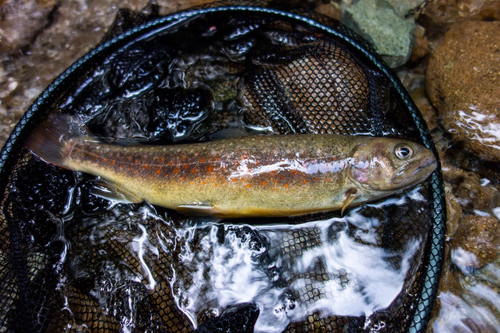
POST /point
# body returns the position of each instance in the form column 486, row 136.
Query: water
column 335, row 266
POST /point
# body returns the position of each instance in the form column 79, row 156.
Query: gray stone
column 376, row 20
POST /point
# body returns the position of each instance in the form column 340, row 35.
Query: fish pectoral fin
column 197, row 208
column 113, row 192
column 349, row 197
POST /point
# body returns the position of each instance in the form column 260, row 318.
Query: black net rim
column 35, row 113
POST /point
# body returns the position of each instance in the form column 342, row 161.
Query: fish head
column 385, row 164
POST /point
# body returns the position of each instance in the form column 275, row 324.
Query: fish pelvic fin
column 51, row 138
column 114, row 192
column 349, row 197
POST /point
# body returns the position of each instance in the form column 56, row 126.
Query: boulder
column 463, row 83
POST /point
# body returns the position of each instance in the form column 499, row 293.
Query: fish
column 250, row 176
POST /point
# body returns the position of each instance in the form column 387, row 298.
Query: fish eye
column 403, row 151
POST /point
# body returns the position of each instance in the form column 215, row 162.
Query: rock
column 476, row 242
column 425, row 107
column 437, row 16
column 422, row 47
column 463, row 83
column 390, row 34
column 453, row 213
column 21, row 21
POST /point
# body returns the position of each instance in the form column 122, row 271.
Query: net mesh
column 71, row 261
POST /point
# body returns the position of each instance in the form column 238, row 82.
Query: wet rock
column 422, row 46
column 437, row 16
column 463, row 79
column 21, row 21
column 472, row 192
column 377, row 21
column 426, row 109
column 453, row 212
column 476, row 242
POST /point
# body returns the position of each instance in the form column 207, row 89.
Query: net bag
column 75, row 262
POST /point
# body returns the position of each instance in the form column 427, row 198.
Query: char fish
column 262, row 175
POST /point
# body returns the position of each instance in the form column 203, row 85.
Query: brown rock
column 463, row 83
column 426, row 109
column 476, row 235
column 21, row 21
column 453, row 213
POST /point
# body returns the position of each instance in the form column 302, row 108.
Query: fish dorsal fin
column 107, row 190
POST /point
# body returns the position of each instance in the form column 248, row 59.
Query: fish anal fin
column 349, row 197
column 114, row 192
column 202, row 208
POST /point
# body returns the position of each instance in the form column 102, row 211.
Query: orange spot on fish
column 202, row 160
column 275, row 181
column 210, row 168
column 236, row 163
column 183, row 157
column 285, row 186
column 129, row 168
column 149, row 176
column 249, row 185
column 292, row 171
column 135, row 172
column 171, row 163
column 177, row 170
column 304, row 181
column 316, row 179
column 203, row 183
column 104, row 159
column 233, row 179
column 328, row 180
column 217, row 159
column 262, row 183
column 257, row 162
column 136, row 161
column 334, row 158
column 183, row 178
column 158, row 171
column 166, row 175
column 146, row 166
column 163, row 159
column 193, row 171
column 192, row 183
column 244, row 157
column 216, row 185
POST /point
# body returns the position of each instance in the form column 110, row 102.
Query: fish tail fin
column 51, row 141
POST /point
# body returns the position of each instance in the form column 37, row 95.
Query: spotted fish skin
column 281, row 175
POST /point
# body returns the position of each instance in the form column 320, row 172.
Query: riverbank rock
column 463, row 83
column 392, row 35
column 476, row 242
column 21, row 21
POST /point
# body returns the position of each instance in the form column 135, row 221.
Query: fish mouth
column 425, row 168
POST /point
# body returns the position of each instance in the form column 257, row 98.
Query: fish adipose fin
column 49, row 141
column 112, row 192
column 349, row 195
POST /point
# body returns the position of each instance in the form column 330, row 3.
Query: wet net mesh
column 75, row 262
